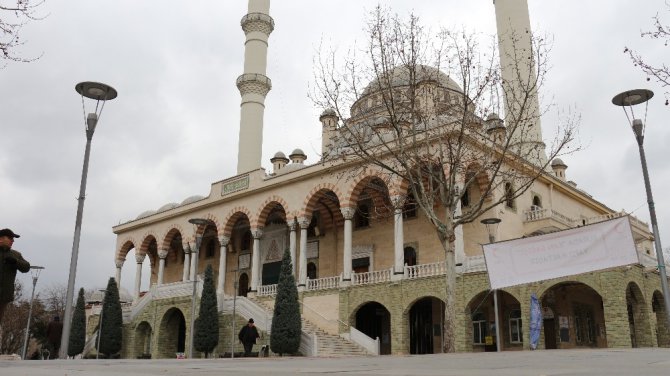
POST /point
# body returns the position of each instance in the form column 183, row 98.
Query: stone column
column 162, row 254
column 256, row 259
column 291, row 245
column 459, row 243
column 224, row 240
column 302, row 267
column 119, row 265
column 398, row 236
column 187, row 259
column 193, row 275
column 348, row 214
column 139, row 257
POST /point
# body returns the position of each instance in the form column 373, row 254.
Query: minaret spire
column 254, row 84
column 518, row 72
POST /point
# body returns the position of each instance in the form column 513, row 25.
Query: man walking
column 10, row 261
column 247, row 336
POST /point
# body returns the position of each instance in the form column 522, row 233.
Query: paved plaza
column 537, row 363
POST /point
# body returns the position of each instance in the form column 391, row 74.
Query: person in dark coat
column 247, row 336
column 54, row 333
column 10, row 261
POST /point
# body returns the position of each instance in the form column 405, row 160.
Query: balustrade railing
column 368, row 278
column 267, row 290
column 425, row 270
column 324, row 283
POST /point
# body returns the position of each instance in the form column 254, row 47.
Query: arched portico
column 374, row 320
column 143, row 335
column 638, row 317
column 171, row 334
column 481, row 321
column 425, row 320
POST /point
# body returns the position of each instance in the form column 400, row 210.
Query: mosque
column 371, row 279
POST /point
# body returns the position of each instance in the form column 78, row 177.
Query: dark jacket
column 248, row 334
column 10, row 262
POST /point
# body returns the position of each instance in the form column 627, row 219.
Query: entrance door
column 421, row 327
column 270, row 274
column 550, row 334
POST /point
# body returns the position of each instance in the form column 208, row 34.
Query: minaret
column 518, row 64
column 254, row 84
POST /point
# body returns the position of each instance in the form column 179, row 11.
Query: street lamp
column 102, row 306
column 628, row 99
column 35, row 272
column 99, row 93
column 491, row 227
column 232, row 324
column 196, row 222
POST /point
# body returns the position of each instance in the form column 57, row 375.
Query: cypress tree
column 206, row 335
column 78, row 327
column 286, row 323
column 111, row 333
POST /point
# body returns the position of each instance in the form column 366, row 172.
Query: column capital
column 139, row 257
column 224, row 240
column 186, row 246
column 292, row 225
column 163, row 253
column 119, row 263
column 257, row 233
column 398, row 201
column 348, row 213
column 304, row 222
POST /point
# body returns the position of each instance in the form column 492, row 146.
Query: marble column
column 256, row 259
column 223, row 251
column 291, row 244
column 459, row 242
column 139, row 257
column 119, row 265
column 348, row 214
column 187, row 261
column 398, row 236
column 162, row 254
column 302, row 265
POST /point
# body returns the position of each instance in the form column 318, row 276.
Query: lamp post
column 104, row 297
column 35, row 272
column 100, row 93
column 232, row 324
column 195, row 255
column 627, row 100
column 491, row 227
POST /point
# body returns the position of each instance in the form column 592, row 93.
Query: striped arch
column 356, row 188
column 214, row 220
column 233, row 216
column 381, row 198
column 312, row 199
column 128, row 244
column 146, row 240
column 170, row 234
column 266, row 208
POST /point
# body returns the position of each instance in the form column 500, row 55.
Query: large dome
column 400, row 76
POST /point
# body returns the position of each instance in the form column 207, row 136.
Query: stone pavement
column 623, row 362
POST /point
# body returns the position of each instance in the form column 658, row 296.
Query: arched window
column 410, row 256
column 409, row 208
column 246, row 241
column 537, row 202
column 465, row 199
column 311, row 271
column 509, row 195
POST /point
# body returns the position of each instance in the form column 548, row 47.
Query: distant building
column 360, row 277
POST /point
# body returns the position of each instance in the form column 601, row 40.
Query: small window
column 410, row 256
column 537, row 202
column 515, row 326
column 210, row 250
column 409, row 208
column 479, row 329
column 509, row 195
column 246, row 241
column 311, row 271
column 465, row 199
column 362, row 216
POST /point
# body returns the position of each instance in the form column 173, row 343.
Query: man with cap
column 10, row 261
column 247, row 336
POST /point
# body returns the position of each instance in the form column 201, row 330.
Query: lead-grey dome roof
column 400, row 76
column 146, row 214
column 192, row 199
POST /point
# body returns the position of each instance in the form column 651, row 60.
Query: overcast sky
column 173, row 129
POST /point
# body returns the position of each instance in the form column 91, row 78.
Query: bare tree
column 420, row 109
column 14, row 322
column 53, row 297
column 660, row 71
column 14, row 14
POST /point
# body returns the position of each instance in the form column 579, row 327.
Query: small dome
column 492, row 116
column 298, row 152
column 191, row 199
column 558, row 162
column 328, row 112
column 96, row 296
column 146, row 214
column 167, row 207
column 279, row 155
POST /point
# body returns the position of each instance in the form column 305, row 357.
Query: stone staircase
column 329, row 345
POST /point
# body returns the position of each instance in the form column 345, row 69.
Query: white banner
column 580, row 250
